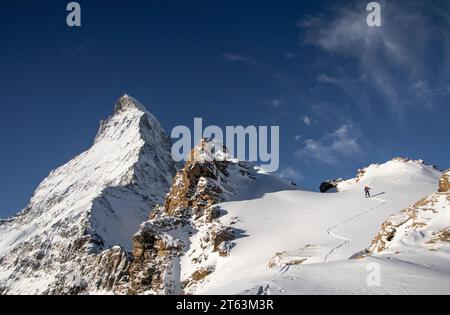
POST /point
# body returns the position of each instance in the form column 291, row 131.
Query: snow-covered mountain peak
column 396, row 169
column 93, row 203
column 128, row 102
column 130, row 148
column 130, row 116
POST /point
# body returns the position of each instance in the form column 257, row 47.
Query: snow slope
column 94, row 202
column 297, row 242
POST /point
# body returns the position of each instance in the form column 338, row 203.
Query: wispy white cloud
column 307, row 121
column 240, row 58
column 343, row 142
column 325, row 78
column 289, row 55
column 274, row 73
column 331, row 114
column 423, row 91
column 389, row 59
column 276, row 103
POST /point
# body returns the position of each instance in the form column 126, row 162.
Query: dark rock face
column 330, row 185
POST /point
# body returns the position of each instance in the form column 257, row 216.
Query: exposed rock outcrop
column 444, row 183
column 330, row 185
column 187, row 225
column 424, row 224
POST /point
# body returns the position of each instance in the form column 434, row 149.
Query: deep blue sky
column 343, row 94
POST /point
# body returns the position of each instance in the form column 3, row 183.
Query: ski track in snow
column 265, row 289
column 346, row 239
column 346, row 224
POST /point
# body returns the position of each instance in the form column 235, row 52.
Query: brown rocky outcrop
column 199, row 185
column 190, row 208
column 154, row 252
column 201, row 274
column 444, row 183
column 417, row 218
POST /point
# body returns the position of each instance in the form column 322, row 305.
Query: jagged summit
column 132, row 120
column 128, row 102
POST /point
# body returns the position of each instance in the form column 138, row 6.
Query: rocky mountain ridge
column 177, row 247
